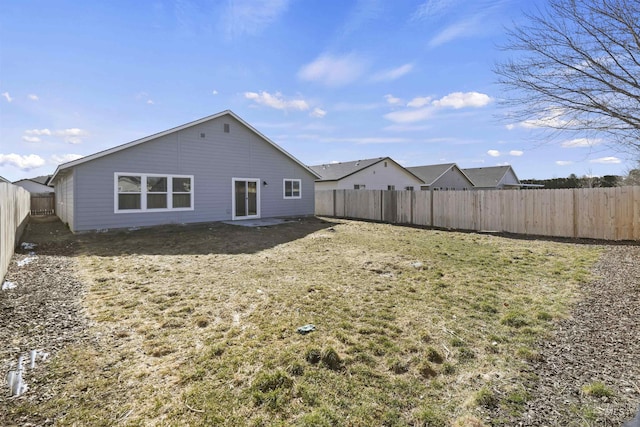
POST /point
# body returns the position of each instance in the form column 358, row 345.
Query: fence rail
column 43, row 203
column 14, row 213
column 595, row 213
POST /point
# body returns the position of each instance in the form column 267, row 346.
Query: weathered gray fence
column 14, row 213
column 43, row 203
column 596, row 213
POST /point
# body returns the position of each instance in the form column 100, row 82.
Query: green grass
column 198, row 327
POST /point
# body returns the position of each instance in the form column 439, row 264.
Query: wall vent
column 202, row 135
column 226, row 128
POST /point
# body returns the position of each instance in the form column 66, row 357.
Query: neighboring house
column 381, row 173
column 446, row 176
column 213, row 169
column 494, row 177
column 33, row 186
column 3, row 179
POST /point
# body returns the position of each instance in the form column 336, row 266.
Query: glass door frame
column 246, row 181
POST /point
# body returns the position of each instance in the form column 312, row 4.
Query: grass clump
column 515, row 319
column 485, row 397
column 597, row 389
column 272, row 389
column 331, row 359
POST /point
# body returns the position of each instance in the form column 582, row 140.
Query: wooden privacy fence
column 594, row 213
column 14, row 213
column 43, row 203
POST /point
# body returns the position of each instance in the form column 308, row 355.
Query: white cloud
column 432, row 9
column 606, row 160
column 7, row 96
column 333, row 70
column 405, row 128
column 493, row 153
column 33, row 97
column 516, row 153
column 419, row 101
column 367, row 140
column 24, row 163
column 214, row 92
column 392, row 74
column 392, row 99
column 581, row 142
column 563, row 162
column 277, row 101
column 150, row 101
column 65, row 158
column 462, row 28
column 72, row 135
column 38, row 132
column 318, row 113
column 455, row 100
column 510, row 126
column 461, row 100
column 410, row 116
column 251, row 16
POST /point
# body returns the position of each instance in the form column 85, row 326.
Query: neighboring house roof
column 431, row 173
column 118, row 148
column 491, row 176
column 3, row 179
column 33, row 186
column 43, row 179
column 338, row 171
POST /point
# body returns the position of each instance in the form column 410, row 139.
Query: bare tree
column 576, row 67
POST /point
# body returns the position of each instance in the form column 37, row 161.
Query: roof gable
column 122, row 147
column 431, row 173
column 490, row 176
column 337, row 171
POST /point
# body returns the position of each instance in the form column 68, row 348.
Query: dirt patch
column 599, row 344
column 43, row 312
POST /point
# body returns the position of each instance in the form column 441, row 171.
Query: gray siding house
column 213, row 169
column 447, row 176
column 493, row 178
column 381, row 173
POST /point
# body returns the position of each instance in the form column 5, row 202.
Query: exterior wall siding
column 452, row 180
column 375, row 177
column 213, row 160
column 64, row 200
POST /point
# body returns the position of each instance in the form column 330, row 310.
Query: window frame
column 284, row 188
column 144, row 192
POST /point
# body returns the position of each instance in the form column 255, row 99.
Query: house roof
column 42, row 179
column 118, row 148
column 431, row 173
column 3, row 179
column 337, row 171
column 488, row 176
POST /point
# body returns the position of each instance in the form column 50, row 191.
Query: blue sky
column 328, row 80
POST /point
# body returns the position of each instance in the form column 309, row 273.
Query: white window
column 292, row 189
column 391, row 187
column 409, row 187
column 359, row 186
column 152, row 192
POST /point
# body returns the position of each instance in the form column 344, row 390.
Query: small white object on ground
column 8, row 285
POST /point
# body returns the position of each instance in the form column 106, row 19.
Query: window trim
column 284, row 188
column 144, row 192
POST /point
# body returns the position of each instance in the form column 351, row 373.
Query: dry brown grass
column 197, row 325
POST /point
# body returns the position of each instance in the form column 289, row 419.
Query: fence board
column 14, row 212
column 598, row 213
column 43, row 203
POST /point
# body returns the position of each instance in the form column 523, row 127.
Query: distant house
column 3, row 179
column 213, row 169
column 447, row 176
column 35, row 185
column 493, row 177
column 381, row 173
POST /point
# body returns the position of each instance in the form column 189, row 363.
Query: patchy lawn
column 197, row 325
